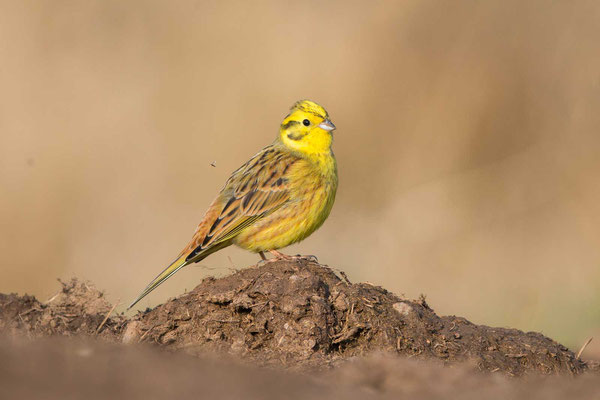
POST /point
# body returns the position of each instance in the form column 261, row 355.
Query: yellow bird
column 279, row 197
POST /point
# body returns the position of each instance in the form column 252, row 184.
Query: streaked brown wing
column 253, row 191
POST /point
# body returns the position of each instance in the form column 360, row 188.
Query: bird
column 279, row 197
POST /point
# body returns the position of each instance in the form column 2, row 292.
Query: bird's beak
column 327, row 125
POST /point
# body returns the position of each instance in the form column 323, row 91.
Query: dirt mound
column 298, row 315
column 302, row 315
column 77, row 309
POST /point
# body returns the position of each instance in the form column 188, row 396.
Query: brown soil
column 300, row 315
column 72, row 368
column 78, row 309
column 285, row 315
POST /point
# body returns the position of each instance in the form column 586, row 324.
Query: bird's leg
column 280, row 256
column 262, row 255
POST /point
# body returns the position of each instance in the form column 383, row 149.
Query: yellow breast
column 313, row 184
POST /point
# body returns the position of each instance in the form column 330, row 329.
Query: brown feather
column 253, row 191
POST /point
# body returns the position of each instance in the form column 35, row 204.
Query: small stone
column 402, row 308
column 131, row 334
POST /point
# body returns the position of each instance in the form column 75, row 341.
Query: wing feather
column 253, row 191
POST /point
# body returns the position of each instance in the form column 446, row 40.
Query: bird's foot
column 280, row 256
column 310, row 257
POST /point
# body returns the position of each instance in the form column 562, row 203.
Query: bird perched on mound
column 279, row 197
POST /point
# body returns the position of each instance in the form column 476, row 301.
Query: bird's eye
column 306, row 122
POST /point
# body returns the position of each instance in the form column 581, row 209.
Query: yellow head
column 307, row 129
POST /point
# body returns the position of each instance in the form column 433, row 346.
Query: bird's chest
column 310, row 182
column 313, row 192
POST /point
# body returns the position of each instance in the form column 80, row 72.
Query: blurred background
column 468, row 145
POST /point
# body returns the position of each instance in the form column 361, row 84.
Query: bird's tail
column 163, row 276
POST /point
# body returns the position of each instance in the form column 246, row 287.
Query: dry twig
column 583, row 347
column 107, row 315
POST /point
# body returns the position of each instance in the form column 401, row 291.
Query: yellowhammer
column 282, row 195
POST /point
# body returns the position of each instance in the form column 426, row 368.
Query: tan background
column 468, row 141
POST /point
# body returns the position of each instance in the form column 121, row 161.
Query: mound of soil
column 302, row 315
column 77, row 309
column 294, row 314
